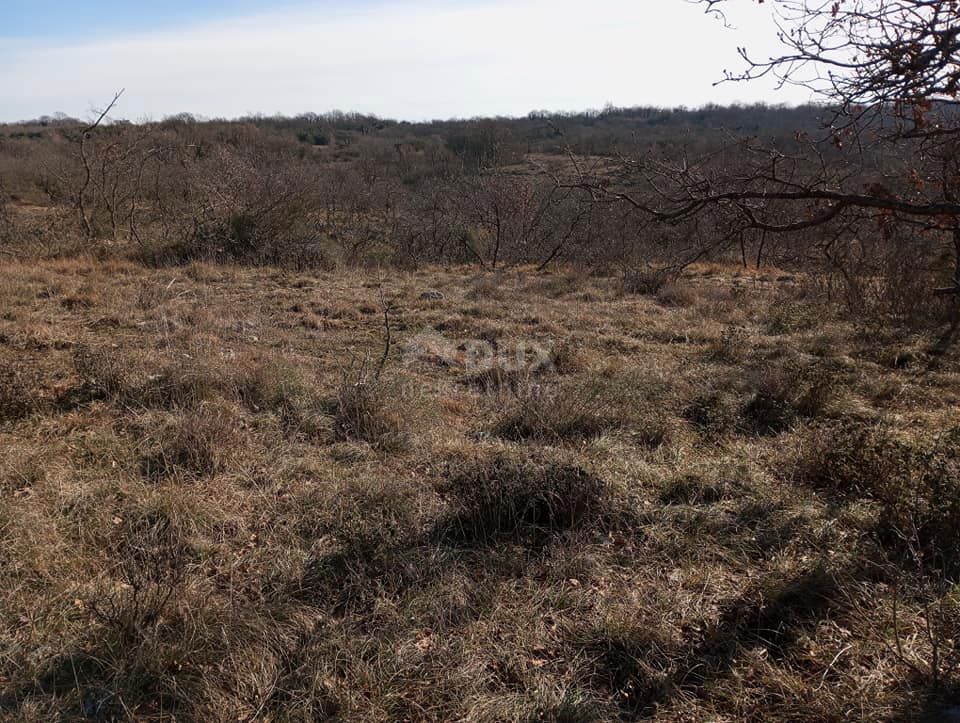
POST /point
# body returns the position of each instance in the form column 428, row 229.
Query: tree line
column 860, row 191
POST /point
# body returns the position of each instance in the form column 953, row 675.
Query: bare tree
column 83, row 144
column 886, row 167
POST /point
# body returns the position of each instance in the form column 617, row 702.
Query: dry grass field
column 549, row 500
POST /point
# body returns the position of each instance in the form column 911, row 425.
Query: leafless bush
column 887, row 279
column 247, row 206
column 644, row 281
column 155, row 637
column 152, row 557
column 676, row 294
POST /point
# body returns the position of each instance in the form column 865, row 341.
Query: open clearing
column 213, row 509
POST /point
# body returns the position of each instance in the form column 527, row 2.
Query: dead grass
column 676, row 294
column 199, row 442
column 20, row 396
column 644, row 281
column 506, row 496
column 101, row 372
column 368, row 410
column 543, row 412
column 715, row 500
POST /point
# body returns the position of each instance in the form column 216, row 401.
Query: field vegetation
column 635, row 413
column 727, row 500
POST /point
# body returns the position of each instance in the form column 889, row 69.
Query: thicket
column 335, row 189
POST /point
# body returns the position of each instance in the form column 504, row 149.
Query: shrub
column 927, row 515
column 853, row 459
column 789, row 319
column 729, row 348
column 768, row 414
column 6, row 218
column 651, row 430
column 157, row 635
column 916, row 485
column 628, row 659
column 644, row 281
column 375, row 528
column 892, row 283
column 783, row 395
column 676, row 295
column 152, row 555
column 505, row 496
column 821, row 390
column 566, row 358
column 373, row 516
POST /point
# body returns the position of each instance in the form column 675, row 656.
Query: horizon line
column 61, row 117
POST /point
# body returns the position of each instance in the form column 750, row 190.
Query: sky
column 404, row 59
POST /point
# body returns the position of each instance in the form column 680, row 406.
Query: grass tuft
column 103, row 372
column 693, row 489
column 676, row 295
column 916, row 485
column 197, row 443
column 554, row 414
column 19, row 395
column 368, row 411
column 712, row 414
column 521, row 499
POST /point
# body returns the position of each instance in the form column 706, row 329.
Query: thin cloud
column 414, row 61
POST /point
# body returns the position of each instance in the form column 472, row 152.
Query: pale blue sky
column 410, row 59
column 68, row 19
